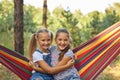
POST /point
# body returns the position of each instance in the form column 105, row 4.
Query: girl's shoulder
column 52, row 48
column 69, row 53
column 36, row 52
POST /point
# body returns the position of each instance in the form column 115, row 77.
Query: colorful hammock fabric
column 93, row 56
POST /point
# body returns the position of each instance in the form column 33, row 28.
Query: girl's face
column 62, row 40
column 44, row 41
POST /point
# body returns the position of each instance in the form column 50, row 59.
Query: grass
column 112, row 72
column 5, row 74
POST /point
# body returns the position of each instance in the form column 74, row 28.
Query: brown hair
column 63, row 30
column 63, row 52
column 33, row 43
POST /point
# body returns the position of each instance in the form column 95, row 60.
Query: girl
column 40, row 54
column 61, row 54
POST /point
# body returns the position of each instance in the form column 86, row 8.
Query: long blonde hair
column 33, row 41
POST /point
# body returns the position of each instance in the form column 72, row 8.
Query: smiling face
column 62, row 40
column 44, row 41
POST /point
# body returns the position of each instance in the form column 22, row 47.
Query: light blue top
column 64, row 75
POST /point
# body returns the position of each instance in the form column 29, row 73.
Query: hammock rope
column 93, row 56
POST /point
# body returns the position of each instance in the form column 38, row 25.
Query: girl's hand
column 70, row 63
column 75, row 56
column 31, row 64
column 34, row 67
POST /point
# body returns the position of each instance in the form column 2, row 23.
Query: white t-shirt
column 37, row 56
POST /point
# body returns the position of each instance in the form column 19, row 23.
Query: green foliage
column 94, row 23
column 29, row 24
column 82, row 27
column 7, row 39
column 57, row 12
column 69, row 22
column 6, row 16
column 111, row 16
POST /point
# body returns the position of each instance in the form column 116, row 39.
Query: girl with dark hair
column 61, row 54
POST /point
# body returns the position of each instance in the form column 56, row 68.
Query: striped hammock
column 93, row 56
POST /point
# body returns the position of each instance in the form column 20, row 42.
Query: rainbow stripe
column 93, row 56
column 15, row 62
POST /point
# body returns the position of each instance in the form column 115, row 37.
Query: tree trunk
column 18, row 26
column 44, row 22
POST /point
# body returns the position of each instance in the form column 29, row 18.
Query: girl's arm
column 68, row 56
column 32, row 65
column 45, row 68
column 64, row 61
